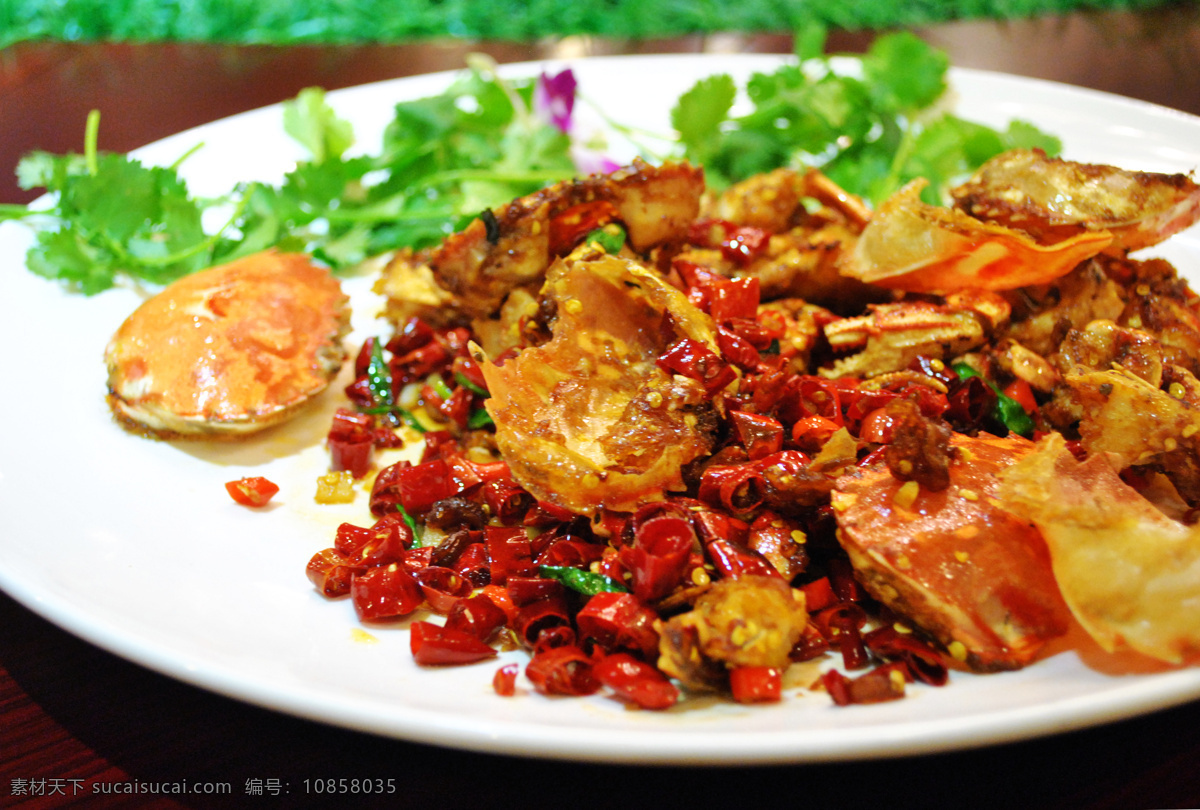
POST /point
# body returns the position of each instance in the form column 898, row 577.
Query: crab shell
column 229, row 350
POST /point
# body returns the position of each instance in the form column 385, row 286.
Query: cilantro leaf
column 699, row 113
column 869, row 130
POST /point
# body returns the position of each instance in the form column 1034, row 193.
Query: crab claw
column 916, row 247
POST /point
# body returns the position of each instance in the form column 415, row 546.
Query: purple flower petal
column 591, row 161
column 554, row 98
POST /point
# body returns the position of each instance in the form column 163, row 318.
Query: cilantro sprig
column 871, row 130
column 444, row 159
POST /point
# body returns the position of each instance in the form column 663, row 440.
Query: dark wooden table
column 75, row 719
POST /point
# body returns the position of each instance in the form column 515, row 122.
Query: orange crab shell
column 961, row 566
column 229, row 350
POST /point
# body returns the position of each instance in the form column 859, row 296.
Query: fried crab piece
column 774, row 201
column 1135, row 423
column 890, row 336
column 802, row 325
column 1044, row 314
column 912, row 246
column 1052, row 199
column 509, row 248
column 751, row 621
column 961, row 567
column 1130, row 573
column 588, row 420
column 802, row 254
column 229, row 350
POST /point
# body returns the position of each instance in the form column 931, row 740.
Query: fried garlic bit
column 751, row 621
column 1129, row 573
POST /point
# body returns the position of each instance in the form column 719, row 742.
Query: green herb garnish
column 584, row 582
column 1007, row 411
column 870, row 130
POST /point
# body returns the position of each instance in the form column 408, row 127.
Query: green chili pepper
column 611, row 237
column 439, row 386
column 379, row 376
column 417, row 533
column 1007, row 411
column 480, row 418
column 462, row 380
column 585, row 582
column 408, row 416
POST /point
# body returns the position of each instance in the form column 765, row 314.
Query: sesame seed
column 968, row 494
column 907, row 494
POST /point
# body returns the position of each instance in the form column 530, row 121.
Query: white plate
column 135, row 546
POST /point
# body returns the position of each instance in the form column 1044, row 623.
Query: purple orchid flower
column 590, row 161
column 554, row 98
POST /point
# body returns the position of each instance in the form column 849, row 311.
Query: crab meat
column 965, row 570
column 1136, row 423
column 1130, row 574
column 588, row 420
column 890, row 336
column 229, row 350
column 511, row 247
column 913, row 246
column 1053, row 199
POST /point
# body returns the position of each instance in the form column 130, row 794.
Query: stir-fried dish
column 678, row 441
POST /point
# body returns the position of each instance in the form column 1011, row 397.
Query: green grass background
column 350, row 21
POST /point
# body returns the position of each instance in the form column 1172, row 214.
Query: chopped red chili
column 252, row 491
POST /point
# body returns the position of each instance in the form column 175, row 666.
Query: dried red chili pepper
column 385, row 592
column 659, row 555
column 535, row 617
column 636, row 681
column 509, row 552
column 876, row 686
column 331, row 571
column 432, row 645
column 756, row 684
column 840, row 623
column 696, row 361
column 618, row 621
column 562, row 671
column 760, row 435
column 736, row 487
column 476, row 616
column 442, row 587
column 504, row 682
column 252, row 491
column 733, row 561
column 922, row 662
